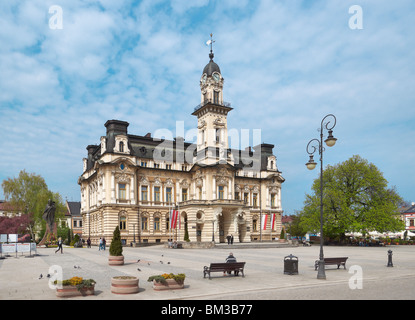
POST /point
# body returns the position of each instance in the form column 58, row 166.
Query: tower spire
column 210, row 42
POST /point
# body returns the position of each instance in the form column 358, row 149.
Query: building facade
column 134, row 181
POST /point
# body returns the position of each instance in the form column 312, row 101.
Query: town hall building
column 134, row 181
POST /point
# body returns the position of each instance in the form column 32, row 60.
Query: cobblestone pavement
column 367, row 275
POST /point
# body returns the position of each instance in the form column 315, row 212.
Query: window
column 157, row 194
column 184, row 168
column 220, row 192
column 144, row 193
column 217, row 135
column 121, row 191
column 168, row 194
column 168, row 166
column 123, row 221
column 143, row 164
column 144, row 223
column 216, row 97
column 157, row 165
column 157, row 224
column 254, row 199
column 255, row 225
column 121, row 146
column 411, row 222
column 246, row 195
column 273, row 200
column 184, row 194
column 236, row 195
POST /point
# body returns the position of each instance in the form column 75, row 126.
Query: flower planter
column 116, row 260
column 124, row 285
column 72, row 291
column 170, row 284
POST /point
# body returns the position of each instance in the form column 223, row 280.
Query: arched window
column 144, row 223
column 121, row 146
column 123, row 223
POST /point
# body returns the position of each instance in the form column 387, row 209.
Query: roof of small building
column 74, row 208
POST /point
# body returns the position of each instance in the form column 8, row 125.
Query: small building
column 74, row 218
column 7, row 210
column 408, row 216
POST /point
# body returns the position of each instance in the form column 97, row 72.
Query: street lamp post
column 311, row 164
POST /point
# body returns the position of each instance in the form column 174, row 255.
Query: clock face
column 204, row 78
column 216, row 76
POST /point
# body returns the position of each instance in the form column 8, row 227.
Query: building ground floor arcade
column 198, row 221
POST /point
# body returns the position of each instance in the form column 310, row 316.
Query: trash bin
column 290, row 265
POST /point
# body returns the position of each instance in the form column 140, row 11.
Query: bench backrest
column 339, row 259
column 225, row 265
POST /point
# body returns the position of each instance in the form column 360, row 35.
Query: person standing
column 103, row 243
column 60, row 242
column 88, row 243
column 100, row 244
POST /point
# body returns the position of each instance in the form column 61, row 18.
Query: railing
column 208, row 101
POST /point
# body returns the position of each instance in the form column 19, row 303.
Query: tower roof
column 211, row 66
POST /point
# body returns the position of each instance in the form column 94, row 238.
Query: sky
column 68, row 66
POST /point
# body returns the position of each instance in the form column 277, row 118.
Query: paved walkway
column 264, row 277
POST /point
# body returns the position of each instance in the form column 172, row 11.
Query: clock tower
column 212, row 142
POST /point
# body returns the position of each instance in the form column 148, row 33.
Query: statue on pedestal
column 49, row 217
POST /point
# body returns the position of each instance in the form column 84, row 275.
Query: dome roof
column 211, row 67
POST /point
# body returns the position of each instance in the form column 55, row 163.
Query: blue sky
column 286, row 65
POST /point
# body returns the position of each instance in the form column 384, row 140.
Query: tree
column 356, row 198
column 29, row 194
column 295, row 228
column 116, row 245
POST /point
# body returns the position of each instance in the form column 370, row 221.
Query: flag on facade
column 264, row 222
column 173, row 218
column 272, row 221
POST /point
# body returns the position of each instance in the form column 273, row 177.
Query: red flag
column 173, row 219
column 273, row 216
column 264, row 222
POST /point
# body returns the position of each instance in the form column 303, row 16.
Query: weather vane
column 210, row 42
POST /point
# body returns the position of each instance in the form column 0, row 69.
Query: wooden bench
column 339, row 261
column 224, row 267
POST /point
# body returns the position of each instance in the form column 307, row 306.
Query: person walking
column 60, row 242
column 103, row 243
column 88, row 243
column 100, row 244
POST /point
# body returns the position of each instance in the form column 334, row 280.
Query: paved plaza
column 264, row 273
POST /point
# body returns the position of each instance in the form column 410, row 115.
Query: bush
column 162, row 278
column 282, row 235
column 116, row 245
